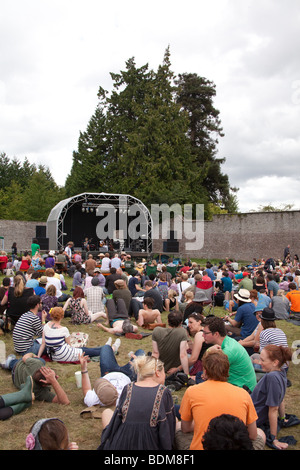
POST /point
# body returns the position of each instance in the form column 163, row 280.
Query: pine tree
column 195, row 95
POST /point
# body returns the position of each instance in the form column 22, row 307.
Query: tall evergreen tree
column 196, row 95
column 154, row 138
column 91, row 161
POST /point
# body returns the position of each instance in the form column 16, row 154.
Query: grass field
column 87, row 432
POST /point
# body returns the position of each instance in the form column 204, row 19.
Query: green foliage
column 270, row 208
column 152, row 138
column 195, row 95
column 27, row 192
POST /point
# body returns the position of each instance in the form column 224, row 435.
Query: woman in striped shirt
column 56, row 339
column 270, row 334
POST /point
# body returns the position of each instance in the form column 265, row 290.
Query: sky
column 55, row 55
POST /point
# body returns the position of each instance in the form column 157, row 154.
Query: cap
column 106, row 392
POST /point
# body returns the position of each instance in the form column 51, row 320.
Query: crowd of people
column 220, row 338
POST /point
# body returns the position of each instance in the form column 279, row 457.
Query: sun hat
column 43, row 280
column 243, row 295
column 106, row 392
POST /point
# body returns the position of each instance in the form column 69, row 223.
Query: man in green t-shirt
column 170, row 344
column 34, row 247
column 241, row 370
column 129, row 267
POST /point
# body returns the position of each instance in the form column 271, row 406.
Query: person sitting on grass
column 147, row 314
column 171, row 302
column 49, row 434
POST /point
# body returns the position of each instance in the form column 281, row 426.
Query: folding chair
column 151, row 270
column 172, row 270
column 208, row 288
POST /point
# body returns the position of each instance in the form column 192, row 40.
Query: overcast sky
column 55, row 55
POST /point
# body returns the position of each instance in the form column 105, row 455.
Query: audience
column 229, row 408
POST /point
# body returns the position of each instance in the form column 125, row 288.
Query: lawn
column 87, row 432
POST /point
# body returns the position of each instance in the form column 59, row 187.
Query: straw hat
column 243, row 295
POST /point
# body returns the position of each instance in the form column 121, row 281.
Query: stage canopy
column 122, row 219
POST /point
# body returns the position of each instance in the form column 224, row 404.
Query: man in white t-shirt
column 105, row 264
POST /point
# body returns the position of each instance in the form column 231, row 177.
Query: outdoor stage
column 101, row 217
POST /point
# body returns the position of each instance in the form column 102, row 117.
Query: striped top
column 27, row 328
column 57, row 348
column 272, row 336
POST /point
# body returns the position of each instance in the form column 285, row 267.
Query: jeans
column 134, row 307
column 92, row 352
column 33, row 349
column 63, row 297
column 108, row 362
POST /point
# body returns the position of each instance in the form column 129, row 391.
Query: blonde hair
column 281, row 292
column 189, row 294
column 19, row 286
column 172, row 293
column 146, row 366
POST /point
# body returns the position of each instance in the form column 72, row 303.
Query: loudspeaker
column 44, row 243
column 171, row 247
column 40, row 231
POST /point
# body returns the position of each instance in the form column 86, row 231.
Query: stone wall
column 18, row 231
column 244, row 236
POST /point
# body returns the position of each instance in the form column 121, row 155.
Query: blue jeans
column 92, row 352
column 108, row 362
column 33, row 349
column 199, row 378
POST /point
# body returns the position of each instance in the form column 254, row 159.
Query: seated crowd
column 221, row 341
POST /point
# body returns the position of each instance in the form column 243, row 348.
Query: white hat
column 243, row 295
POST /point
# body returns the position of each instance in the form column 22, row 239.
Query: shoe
column 109, row 341
column 116, row 345
column 5, row 365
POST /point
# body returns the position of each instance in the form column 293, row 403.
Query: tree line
column 153, row 136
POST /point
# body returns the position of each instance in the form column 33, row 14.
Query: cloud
column 55, row 55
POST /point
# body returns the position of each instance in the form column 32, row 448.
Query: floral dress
column 78, row 315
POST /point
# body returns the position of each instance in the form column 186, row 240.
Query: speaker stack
column 171, row 245
column 40, row 235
